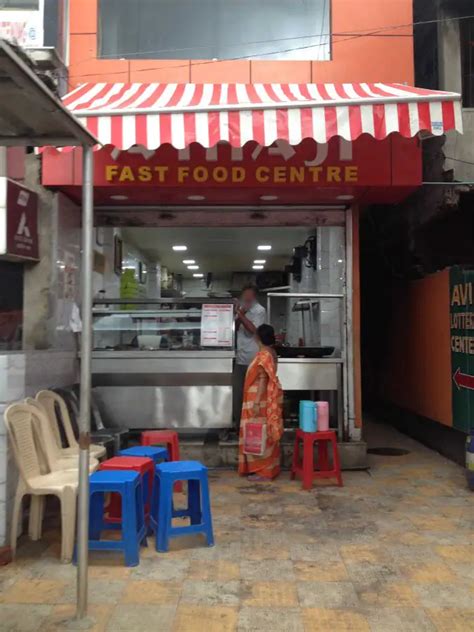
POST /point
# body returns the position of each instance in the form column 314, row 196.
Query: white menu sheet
column 216, row 325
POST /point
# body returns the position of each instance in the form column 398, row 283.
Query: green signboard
column 462, row 346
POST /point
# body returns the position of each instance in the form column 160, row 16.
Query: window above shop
column 19, row 5
column 215, row 29
column 467, row 60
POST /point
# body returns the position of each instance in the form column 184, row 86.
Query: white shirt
column 247, row 346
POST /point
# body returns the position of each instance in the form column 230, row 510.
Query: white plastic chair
column 49, row 400
column 21, row 427
column 51, row 460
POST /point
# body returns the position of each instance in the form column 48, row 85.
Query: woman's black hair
column 266, row 333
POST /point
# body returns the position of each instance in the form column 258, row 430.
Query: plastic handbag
column 255, row 438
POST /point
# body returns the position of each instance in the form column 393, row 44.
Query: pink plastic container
column 323, row 416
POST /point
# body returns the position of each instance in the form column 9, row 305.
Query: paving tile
column 445, row 596
column 452, row 619
column 428, row 573
column 160, row 566
column 457, row 553
column 274, row 619
column 152, row 592
column 328, row 620
column 40, row 591
column 220, row 570
column 320, row 571
column 387, row 594
column 267, row 570
column 229, row 552
column 17, row 619
column 327, row 595
column 268, row 594
column 141, row 618
column 398, row 620
column 192, row 618
column 101, row 591
column 265, row 552
column 314, row 552
column 63, row 618
column 211, row 592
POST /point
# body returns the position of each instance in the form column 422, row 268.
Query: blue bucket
column 308, row 416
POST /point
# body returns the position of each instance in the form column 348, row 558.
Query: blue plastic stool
column 128, row 484
column 155, row 453
column 198, row 509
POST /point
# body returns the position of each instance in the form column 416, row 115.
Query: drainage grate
column 388, row 451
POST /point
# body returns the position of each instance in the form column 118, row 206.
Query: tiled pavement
column 391, row 551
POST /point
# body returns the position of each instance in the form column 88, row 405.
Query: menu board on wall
column 217, row 323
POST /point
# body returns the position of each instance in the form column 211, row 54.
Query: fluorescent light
column 345, row 197
column 188, row 262
column 264, row 247
column 179, row 248
column 193, row 267
column 268, row 198
column 257, row 267
column 196, row 198
column 258, row 261
column 119, row 198
column 198, row 275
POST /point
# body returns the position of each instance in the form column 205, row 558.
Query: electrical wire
column 352, row 35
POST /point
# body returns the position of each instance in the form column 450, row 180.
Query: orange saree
column 268, row 464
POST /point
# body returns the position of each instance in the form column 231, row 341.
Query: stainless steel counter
column 164, row 389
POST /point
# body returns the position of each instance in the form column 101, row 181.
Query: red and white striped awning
column 152, row 114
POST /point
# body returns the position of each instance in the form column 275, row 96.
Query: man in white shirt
column 250, row 315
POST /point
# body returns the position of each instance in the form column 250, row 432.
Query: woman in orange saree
column 262, row 402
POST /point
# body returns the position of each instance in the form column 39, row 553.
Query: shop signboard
column 24, row 27
column 462, row 346
column 18, row 222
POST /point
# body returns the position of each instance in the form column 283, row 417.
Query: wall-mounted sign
column 462, row 346
column 18, row 222
column 23, row 27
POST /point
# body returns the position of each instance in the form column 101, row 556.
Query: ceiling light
column 264, row 247
column 260, row 261
column 119, row 198
column 193, row 267
column 198, row 275
column 179, row 248
column 345, row 197
column 257, row 267
column 188, row 262
column 268, row 198
column 196, row 198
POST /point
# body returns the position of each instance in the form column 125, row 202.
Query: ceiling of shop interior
column 217, row 250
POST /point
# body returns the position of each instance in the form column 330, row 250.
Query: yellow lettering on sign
column 111, row 172
column 334, row 174
column 220, row 174
column 351, row 174
column 279, row 175
column 144, row 174
column 297, row 174
column 126, row 175
column 238, row 174
column 183, row 173
column 316, row 172
column 161, row 172
column 200, row 174
column 262, row 174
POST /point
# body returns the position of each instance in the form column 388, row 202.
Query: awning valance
column 127, row 114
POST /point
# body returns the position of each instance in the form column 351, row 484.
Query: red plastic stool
column 146, row 467
column 170, row 439
column 306, row 469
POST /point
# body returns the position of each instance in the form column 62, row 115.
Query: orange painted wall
column 417, row 374
column 386, row 56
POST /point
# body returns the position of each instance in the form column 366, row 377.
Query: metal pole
column 85, row 397
column 349, row 325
